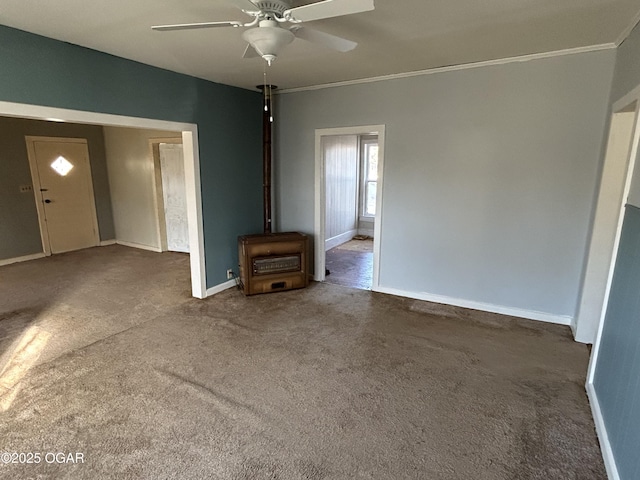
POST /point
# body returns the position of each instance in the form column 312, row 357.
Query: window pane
column 62, row 166
column 372, row 162
column 370, row 200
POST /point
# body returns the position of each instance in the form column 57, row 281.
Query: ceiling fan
column 267, row 37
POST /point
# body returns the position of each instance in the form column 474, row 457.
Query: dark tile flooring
column 351, row 264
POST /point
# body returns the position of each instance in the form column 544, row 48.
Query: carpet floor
column 104, row 354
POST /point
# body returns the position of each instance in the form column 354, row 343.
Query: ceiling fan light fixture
column 268, row 39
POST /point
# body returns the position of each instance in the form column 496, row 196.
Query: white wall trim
column 25, row 258
column 485, row 307
column 221, row 287
column 191, row 162
column 453, row 68
column 616, row 177
column 339, row 239
column 626, row 100
column 320, row 197
column 139, row 245
column 601, row 429
column 603, row 436
column 194, row 212
column 573, row 327
column 106, row 243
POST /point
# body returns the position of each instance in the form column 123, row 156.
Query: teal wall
column 41, row 71
column 19, row 228
column 617, row 375
column 617, row 372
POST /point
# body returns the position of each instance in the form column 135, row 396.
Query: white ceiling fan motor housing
column 268, row 39
column 276, row 7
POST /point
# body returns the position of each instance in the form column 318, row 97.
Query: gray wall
column 132, row 179
column 618, row 366
column 19, row 229
column 489, row 175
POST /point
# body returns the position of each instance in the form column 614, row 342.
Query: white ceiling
column 398, row 37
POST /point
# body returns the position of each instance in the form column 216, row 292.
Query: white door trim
column 601, row 429
column 320, row 198
column 620, row 105
column 611, row 197
column 191, row 164
column 35, row 177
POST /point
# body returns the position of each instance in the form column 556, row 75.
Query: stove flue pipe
column 267, row 123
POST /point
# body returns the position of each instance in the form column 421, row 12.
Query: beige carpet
column 105, row 354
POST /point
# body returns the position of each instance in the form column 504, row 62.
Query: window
column 62, row 166
column 369, row 170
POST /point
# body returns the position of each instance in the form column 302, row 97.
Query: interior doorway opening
column 612, row 196
column 349, row 167
column 189, row 137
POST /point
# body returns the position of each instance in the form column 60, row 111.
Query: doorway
column 349, row 167
column 612, row 196
column 63, row 189
column 191, row 164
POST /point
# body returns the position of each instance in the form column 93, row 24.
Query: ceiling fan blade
column 327, row 9
column 250, row 52
column 247, row 5
column 192, row 26
column 326, row 39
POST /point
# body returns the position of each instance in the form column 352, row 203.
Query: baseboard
column 339, row 239
column 139, row 245
column 25, row 258
column 105, row 243
column 485, row 307
column 366, row 231
column 221, row 288
column 574, row 331
column 603, row 437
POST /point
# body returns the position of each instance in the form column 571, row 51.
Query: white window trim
column 364, row 141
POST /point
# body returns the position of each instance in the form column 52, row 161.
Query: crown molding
column 453, row 68
column 627, row 31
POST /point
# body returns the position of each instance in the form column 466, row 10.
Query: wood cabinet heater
column 271, row 262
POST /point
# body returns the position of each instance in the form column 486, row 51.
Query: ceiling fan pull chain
column 264, row 90
column 270, row 105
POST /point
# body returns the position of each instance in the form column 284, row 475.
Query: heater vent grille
column 269, row 265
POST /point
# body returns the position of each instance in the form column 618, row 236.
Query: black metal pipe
column 267, row 150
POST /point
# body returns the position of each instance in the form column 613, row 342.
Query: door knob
column 47, row 201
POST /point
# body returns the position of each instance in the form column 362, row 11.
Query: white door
column 174, row 195
column 62, row 180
